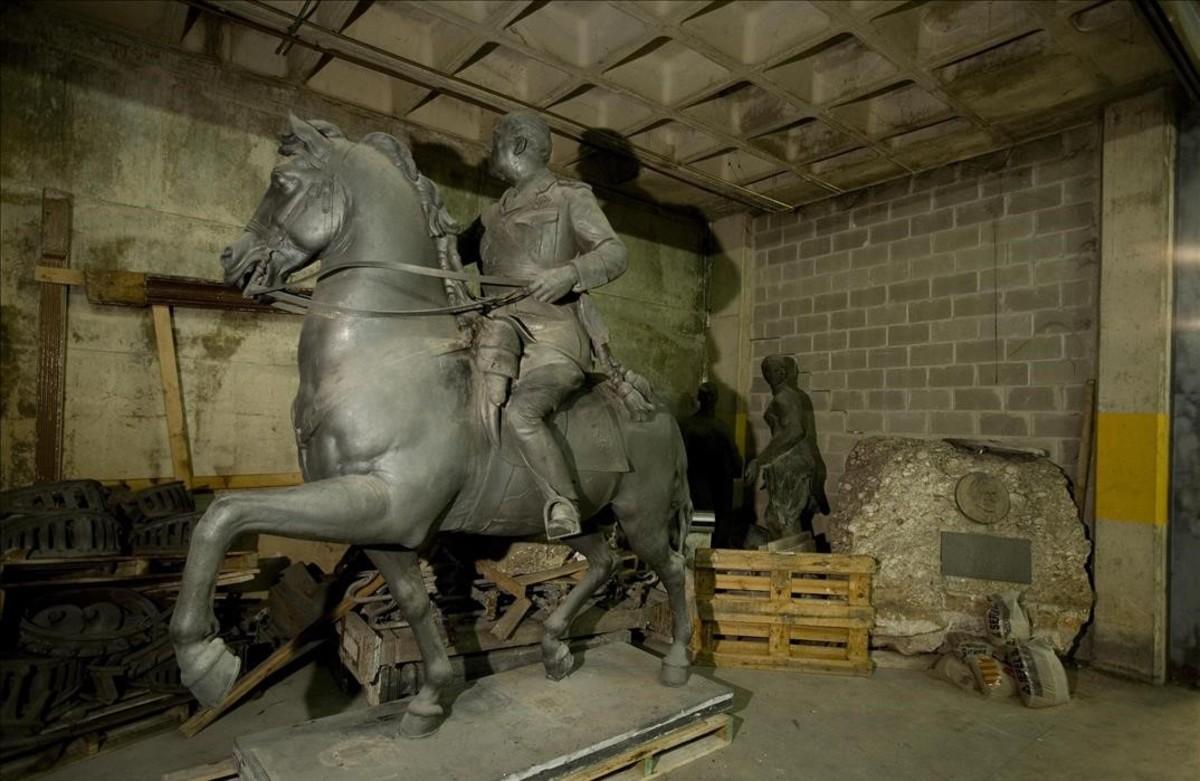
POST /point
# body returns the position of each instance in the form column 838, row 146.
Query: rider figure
column 549, row 230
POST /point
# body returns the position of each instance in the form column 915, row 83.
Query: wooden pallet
column 806, row 611
column 136, row 716
column 659, row 756
column 157, row 570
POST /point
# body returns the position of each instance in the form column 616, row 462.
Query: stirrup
column 557, row 528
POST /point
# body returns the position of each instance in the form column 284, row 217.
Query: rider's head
column 520, row 146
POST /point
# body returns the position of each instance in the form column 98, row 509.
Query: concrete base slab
column 514, row 725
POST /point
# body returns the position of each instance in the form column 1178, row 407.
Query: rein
column 302, row 303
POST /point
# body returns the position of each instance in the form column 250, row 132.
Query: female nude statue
column 793, row 471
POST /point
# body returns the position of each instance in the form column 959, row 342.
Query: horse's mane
column 440, row 222
column 441, row 226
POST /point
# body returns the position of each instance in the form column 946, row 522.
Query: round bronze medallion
column 982, row 498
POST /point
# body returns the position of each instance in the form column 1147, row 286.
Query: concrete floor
column 898, row 724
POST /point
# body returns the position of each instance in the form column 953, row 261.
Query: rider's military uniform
column 553, row 222
column 550, row 223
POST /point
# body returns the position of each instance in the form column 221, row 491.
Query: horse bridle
column 301, row 303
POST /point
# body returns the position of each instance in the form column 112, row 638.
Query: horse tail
column 681, row 504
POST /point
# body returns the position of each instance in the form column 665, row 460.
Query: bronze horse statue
column 389, row 448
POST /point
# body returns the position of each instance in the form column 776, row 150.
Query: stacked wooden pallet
column 88, row 576
column 806, row 611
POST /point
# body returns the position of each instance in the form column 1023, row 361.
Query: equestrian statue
column 425, row 407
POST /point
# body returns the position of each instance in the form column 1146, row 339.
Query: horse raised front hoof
column 559, row 665
column 208, row 669
column 672, row 675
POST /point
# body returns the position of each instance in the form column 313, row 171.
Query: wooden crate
column 659, row 756
column 388, row 664
column 806, row 611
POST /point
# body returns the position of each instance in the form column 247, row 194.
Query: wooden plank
column 781, row 594
column 720, row 645
column 815, row 608
column 164, row 336
column 164, row 582
column 781, row 587
column 726, row 582
column 214, row 771
column 707, row 726
column 505, row 582
column 742, row 628
column 116, row 288
column 820, row 634
column 674, row 758
column 132, row 708
column 858, row 646
column 201, row 294
column 720, row 558
column 842, row 667
column 801, row 585
column 57, row 275
column 705, row 582
column 507, row 624
column 858, row 590
column 533, row 578
column 139, row 289
column 233, row 560
column 801, row 651
column 217, row 482
column 307, row 640
column 864, row 620
column 52, row 338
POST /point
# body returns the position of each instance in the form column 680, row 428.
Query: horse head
column 300, row 214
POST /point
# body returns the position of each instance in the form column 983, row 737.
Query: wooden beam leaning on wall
column 52, row 338
column 137, row 289
column 160, row 293
column 168, row 367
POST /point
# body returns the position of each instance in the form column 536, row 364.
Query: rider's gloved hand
column 554, row 284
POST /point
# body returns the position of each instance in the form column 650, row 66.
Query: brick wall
column 961, row 301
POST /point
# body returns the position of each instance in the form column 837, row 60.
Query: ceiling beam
column 324, row 41
column 304, row 63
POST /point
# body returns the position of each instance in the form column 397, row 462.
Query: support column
column 1133, row 387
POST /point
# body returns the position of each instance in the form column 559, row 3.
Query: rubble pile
column 904, row 501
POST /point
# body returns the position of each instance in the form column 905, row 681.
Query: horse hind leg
column 602, row 563
column 424, row 713
column 650, row 538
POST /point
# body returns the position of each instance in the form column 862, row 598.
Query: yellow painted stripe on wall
column 1132, row 466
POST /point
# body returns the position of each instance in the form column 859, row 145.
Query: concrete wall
column 958, row 302
column 165, row 154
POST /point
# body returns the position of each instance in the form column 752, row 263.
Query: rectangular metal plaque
column 985, row 557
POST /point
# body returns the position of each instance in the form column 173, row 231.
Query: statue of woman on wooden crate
column 791, row 464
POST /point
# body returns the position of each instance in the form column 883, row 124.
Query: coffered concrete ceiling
column 725, row 106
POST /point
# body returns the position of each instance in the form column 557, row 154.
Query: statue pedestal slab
column 513, row 725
